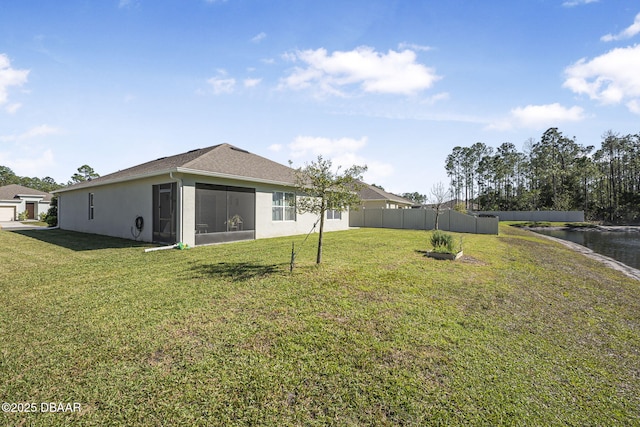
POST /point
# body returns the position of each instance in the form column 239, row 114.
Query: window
column 90, row 205
column 334, row 214
column 284, row 206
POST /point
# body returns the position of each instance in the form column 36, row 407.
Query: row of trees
column 46, row 184
column 555, row 172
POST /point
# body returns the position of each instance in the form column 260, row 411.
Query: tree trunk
column 319, row 257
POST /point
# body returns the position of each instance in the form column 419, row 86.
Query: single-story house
column 210, row 195
column 16, row 199
column 372, row 197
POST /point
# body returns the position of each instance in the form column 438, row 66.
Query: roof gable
column 13, row 191
column 222, row 160
column 369, row 192
column 225, row 159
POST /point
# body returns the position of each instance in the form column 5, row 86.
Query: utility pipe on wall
column 180, row 205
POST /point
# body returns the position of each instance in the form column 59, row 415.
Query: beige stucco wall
column 116, row 207
column 265, row 226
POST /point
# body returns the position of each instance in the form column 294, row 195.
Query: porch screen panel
column 241, row 209
column 224, row 213
column 211, row 208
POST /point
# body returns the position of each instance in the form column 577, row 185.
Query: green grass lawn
column 520, row 331
column 35, row 223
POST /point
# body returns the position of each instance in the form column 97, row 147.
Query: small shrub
column 22, row 216
column 52, row 213
column 442, row 242
column 51, row 220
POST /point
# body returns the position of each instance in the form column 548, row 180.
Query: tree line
column 553, row 173
column 46, row 184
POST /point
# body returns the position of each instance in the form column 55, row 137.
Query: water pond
column 623, row 246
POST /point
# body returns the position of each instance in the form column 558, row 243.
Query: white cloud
column 413, row 46
column 443, row 96
column 13, row 108
column 627, row 33
column 221, row 83
column 303, row 146
column 572, row 3
column 374, row 72
column 276, row 147
column 376, row 170
column 252, row 82
column 9, row 77
column 259, row 37
column 543, row 115
column 611, row 78
column 343, row 152
column 29, row 163
column 128, row 4
column 634, row 106
column 42, row 130
column 538, row 116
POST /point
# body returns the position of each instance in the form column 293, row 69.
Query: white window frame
column 91, row 206
column 280, row 202
column 334, row 214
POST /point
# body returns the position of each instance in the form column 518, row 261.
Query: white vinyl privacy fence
column 423, row 219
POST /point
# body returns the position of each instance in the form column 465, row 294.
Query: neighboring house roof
column 450, row 204
column 223, row 160
column 15, row 191
column 371, row 193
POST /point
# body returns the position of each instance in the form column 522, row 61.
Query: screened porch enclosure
column 224, row 213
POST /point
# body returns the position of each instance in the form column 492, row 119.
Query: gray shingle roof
column 11, row 191
column 222, row 160
column 369, row 192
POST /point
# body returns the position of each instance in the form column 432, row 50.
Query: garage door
column 7, row 213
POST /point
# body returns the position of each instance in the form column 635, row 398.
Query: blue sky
column 394, row 85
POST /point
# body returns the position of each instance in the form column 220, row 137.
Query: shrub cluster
column 51, row 218
column 442, row 242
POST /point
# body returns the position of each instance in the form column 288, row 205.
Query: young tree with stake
column 439, row 194
column 325, row 190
